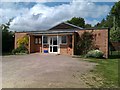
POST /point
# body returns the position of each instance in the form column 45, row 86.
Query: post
column 42, row 43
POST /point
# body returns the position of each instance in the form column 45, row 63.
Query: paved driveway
column 43, row 71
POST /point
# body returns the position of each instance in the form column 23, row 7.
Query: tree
column 7, row 38
column 77, row 21
column 85, row 43
column 113, row 21
column 88, row 25
column 115, row 11
column 115, row 34
column 23, row 41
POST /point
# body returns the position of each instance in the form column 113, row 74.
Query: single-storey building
column 62, row 39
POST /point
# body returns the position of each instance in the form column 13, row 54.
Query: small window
column 45, row 40
column 39, row 40
column 70, row 37
column 64, row 39
column 36, row 40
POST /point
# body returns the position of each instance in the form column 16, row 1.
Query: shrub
column 23, row 41
column 95, row 54
column 20, row 49
column 85, row 43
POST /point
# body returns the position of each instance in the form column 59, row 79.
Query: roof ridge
column 73, row 25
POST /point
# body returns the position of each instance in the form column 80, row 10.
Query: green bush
column 20, row 49
column 95, row 54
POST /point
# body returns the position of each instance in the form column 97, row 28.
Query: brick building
column 61, row 39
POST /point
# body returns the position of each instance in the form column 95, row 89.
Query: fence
column 114, row 49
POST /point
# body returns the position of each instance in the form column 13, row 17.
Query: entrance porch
column 55, row 43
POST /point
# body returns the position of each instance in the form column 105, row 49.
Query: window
column 64, row 39
column 45, row 40
column 37, row 40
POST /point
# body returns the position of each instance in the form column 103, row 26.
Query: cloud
column 41, row 17
column 93, row 22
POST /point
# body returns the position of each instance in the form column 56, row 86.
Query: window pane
column 70, row 38
column 39, row 40
column 50, row 41
column 64, row 39
column 36, row 40
column 55, row 49
column 44, row 39
column 50, row 48
column 54, row 40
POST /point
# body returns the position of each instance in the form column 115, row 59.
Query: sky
column 32, row 16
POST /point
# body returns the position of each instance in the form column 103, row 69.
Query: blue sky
column 42, row 16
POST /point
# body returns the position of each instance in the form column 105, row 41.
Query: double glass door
column 53, row 44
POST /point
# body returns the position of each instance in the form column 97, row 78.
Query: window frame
column 62, row 39
column 38, row 39
column 46, row 38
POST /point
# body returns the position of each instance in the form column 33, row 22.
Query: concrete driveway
column 43, row 71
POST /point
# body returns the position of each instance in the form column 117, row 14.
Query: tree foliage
column 85, row 43
column 115, row 34
column 115, row 11
column 7, row 38
column 88, row 25
column 78, row 21
column 113, row 21
column 23, row 41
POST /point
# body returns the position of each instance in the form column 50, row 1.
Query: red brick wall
column 101, row 42
column 65, row 49
column 34, row 47
column 100, row 39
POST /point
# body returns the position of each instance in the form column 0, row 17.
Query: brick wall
column 100, row 39
column 34, row 47
column 65, row 49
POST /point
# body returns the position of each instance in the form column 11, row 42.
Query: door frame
column 58, row 44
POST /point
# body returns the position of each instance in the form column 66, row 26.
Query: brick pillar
column 73, row 44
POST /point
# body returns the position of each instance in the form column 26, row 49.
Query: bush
column 95, row 54
column 20, row 49
column 85, row 43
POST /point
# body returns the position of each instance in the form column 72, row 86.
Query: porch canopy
column 55, row 32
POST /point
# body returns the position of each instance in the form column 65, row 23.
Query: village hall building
column 62, row 39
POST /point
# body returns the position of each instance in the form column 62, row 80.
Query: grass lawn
column 107, row 70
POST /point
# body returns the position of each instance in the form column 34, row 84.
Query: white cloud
column 41, row 17
column 93, row 22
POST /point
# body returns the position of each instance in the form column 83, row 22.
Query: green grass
column 108, row 70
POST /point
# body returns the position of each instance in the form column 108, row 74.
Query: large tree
column 7, row 38
column 113, row 21
column 115, row 11
column 77, row 21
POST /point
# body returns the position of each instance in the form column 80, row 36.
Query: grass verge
column 105, row 73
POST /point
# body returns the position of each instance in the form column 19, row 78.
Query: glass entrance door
column 53, row 44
